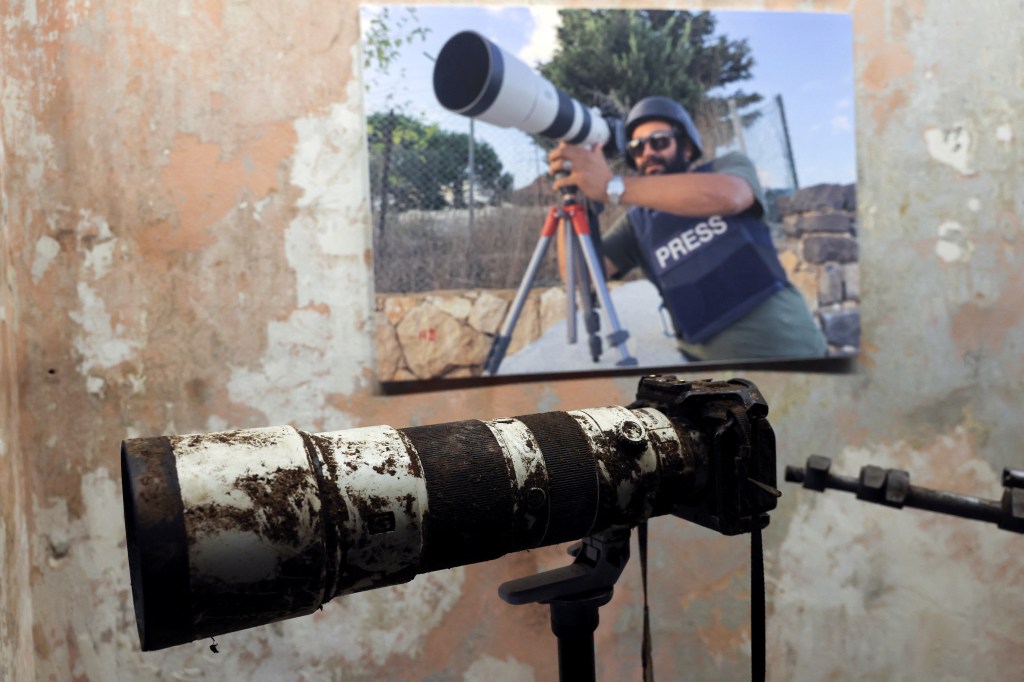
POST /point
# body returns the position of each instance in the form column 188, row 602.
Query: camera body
column 738, row 485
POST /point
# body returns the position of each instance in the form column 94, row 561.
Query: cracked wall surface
column 186, row 247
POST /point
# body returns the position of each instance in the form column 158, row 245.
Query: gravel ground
column 637, row 306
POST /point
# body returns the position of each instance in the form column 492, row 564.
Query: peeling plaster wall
column 186, row 248
column 16, row 660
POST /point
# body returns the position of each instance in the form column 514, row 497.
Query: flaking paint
column 238, row 331
column 324, row 243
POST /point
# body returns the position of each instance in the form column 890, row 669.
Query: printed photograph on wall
column 713, row 159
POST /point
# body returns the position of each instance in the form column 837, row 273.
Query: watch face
column 615, row 189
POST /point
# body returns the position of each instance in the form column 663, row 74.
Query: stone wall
column 449, row 333
column 818, row 248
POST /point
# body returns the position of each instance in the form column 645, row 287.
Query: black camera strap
column 758, row 666
column 645, row 654
column 660, row 393
column 758, row 617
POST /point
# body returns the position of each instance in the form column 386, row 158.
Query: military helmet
column 663, row 109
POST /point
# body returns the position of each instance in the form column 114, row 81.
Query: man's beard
column 677, row 164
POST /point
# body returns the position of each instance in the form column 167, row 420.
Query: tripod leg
column 618, row 336
column 571, row 273
column 504, row 337
column 591, row 321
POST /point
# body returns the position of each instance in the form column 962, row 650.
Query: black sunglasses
column 659, row 141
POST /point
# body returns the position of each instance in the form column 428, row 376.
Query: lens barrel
column 476, row 78
column 231, row 530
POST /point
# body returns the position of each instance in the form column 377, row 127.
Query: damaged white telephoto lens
column 476, row 78
column 232, row 530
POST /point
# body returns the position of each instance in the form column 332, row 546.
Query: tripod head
column 568, row 195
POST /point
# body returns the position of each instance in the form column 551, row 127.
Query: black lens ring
column 495, row 80
column 584, row 129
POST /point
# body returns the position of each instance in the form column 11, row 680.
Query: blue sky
column 807, row 58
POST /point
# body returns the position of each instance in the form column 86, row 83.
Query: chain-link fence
column 458, row 209
column 763, row 136
column 455, row 209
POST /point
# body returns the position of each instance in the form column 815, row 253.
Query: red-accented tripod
column 583, row 272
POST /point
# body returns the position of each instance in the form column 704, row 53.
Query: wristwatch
column 616, row 186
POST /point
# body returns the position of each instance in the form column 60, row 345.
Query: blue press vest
column 710, row 271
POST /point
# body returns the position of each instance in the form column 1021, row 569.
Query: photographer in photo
column 697, row 233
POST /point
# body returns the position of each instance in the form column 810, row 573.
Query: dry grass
column 431, row 250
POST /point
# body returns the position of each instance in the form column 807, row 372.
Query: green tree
column 427, row 167
column 383, row 37
column 614, row 58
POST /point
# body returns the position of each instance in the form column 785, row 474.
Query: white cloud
column 813, row 85
column 843, row 103
column 540, row 47
column 842, row 123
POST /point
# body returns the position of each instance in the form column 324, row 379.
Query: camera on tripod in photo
column 476, row 78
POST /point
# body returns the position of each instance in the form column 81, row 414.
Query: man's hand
column 587, row 168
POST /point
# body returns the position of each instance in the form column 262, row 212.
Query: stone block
column 784, row 205
column 488, row 312
column 830, row 284
column 851, row 278
column 850, row 203
column 396, row 306
column 789, row 260
column 403, row 374
column 840, row 223
column 807, row 284
column 388, row 350
column 454, row 304
column 817, row 198
column 791, row 226
column 433, row 342
column 841, row 327
column 822, row 249
column 464, row 372
column 528, row 325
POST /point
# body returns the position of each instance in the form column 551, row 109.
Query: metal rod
column 501, row 342
column 618, row 336
column 570, row 251
column 786, row 139
column 891, row 488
